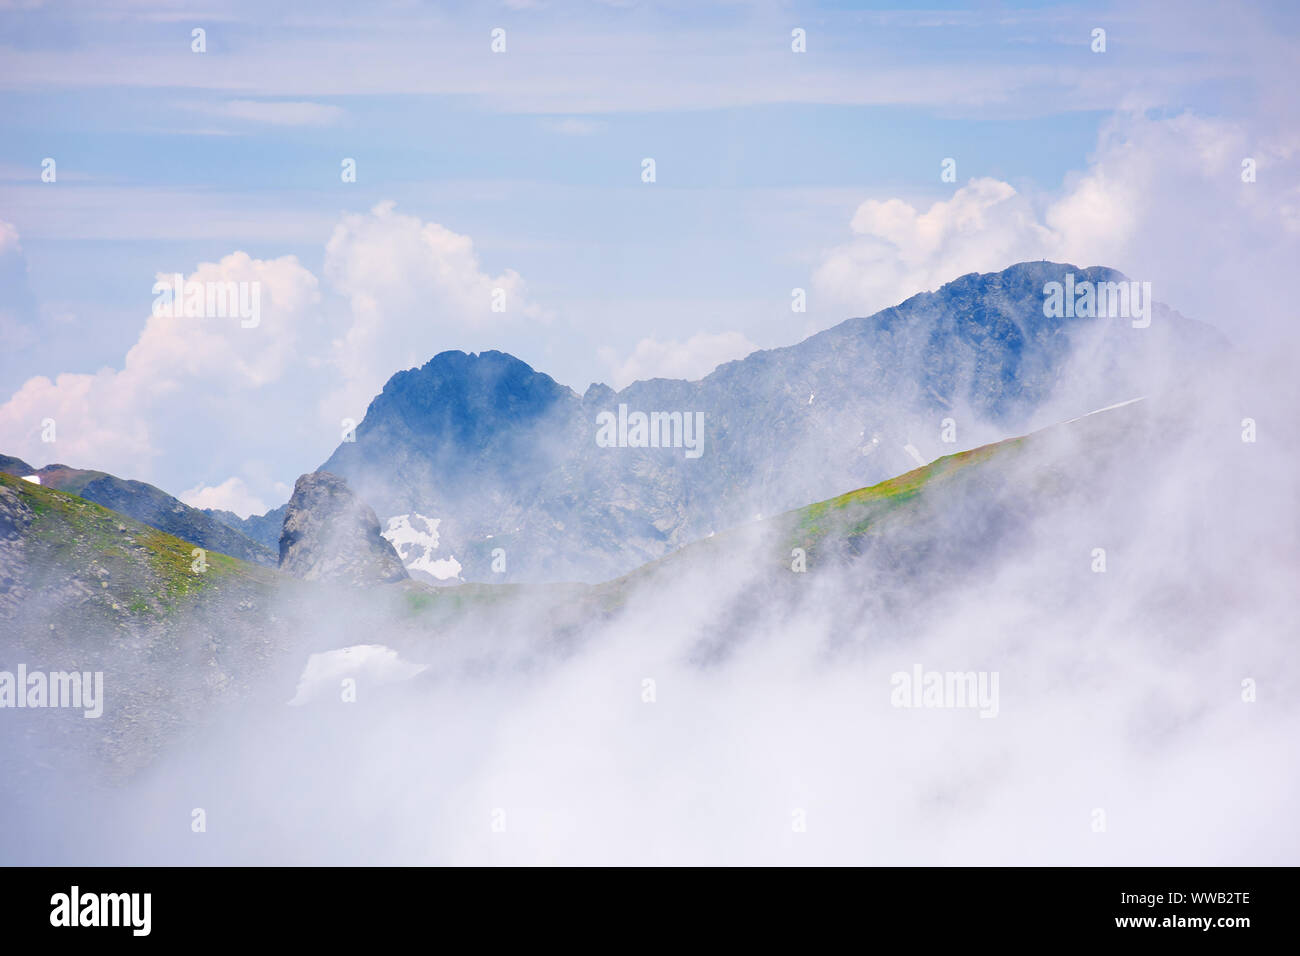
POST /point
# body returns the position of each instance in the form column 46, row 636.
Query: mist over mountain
column 511, row 465
column 1114, row 583
column 85, row 588
column 1085, row 566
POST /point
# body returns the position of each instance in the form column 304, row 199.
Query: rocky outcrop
column 330, row 534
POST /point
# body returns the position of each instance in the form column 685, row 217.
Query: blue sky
column 774, row 170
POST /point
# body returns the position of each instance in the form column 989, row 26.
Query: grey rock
column 330, row 534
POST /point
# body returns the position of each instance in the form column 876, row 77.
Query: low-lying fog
column 1144, row 714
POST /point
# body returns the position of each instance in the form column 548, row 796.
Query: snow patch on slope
column 370, row 664
column 415, row 538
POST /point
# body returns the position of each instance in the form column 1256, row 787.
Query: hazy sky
column 522, row 170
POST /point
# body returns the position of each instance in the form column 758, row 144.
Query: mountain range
column 481, row 468
column 510, row 469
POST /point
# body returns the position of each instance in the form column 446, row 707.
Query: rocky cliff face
column 329, row 534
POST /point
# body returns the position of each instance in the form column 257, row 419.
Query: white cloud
column 413, row 289
column 184, row 381
column 231, row 495
column 693, row 359
column 986, row 225
column 1162, row 200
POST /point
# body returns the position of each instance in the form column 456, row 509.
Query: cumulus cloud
column 194, row 394
column 1164, row 200
column 899, row 251
column 693, row 359
column 413, row 289
column 231, row 495
column 184, row 379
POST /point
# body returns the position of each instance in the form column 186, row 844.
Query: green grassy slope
column 147, row 504
column 863, row 511
column 74, row 543
column 911, row 502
